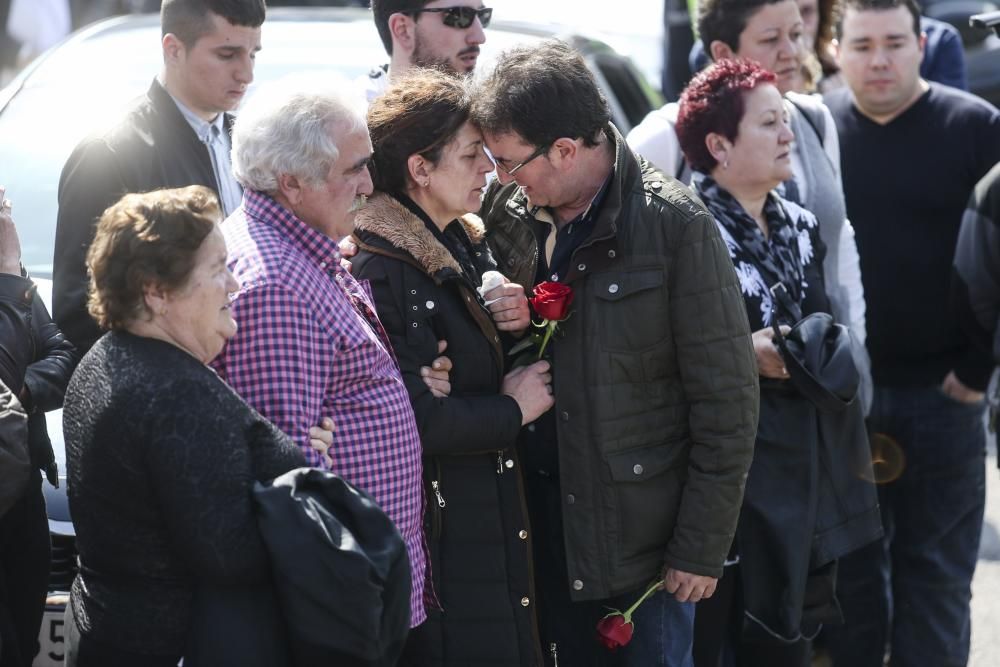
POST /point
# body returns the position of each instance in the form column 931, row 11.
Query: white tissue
column 490, row 280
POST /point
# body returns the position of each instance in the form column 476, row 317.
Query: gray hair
column 285, row 129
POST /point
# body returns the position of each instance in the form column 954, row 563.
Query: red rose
column 616, row 628
column 614, row 631
column 552, row 300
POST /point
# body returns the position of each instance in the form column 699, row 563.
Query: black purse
column 817, row 354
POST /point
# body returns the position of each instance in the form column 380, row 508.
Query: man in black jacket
column 637, row 475
column 975, row 293
column 24, row 538
column 176, row 135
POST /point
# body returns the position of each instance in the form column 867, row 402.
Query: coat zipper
column 437, row 493
column 554, row 652
column 499, row 461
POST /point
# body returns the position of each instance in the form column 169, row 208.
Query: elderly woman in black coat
column 424, row 256
column 162, row 454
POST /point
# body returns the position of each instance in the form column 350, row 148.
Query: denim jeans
column 910, row 592
column 663, row 633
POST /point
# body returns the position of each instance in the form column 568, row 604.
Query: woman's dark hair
column 418, row 115
column 725, row 20
column 542, row 93
column 714, row 102
column 146, row 239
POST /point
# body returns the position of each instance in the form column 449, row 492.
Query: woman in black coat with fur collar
column 424, row 256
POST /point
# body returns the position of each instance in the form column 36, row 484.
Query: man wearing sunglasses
column 417, row 33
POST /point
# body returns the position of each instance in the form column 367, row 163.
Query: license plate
column 52, row 637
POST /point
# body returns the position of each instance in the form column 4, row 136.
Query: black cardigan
column 161, row 456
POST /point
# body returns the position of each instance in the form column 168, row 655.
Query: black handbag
column 340, row 570
column 817, row 354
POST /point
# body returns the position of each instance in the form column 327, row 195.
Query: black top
column 161, row 457
column 906, row 185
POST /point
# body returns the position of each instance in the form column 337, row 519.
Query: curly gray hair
column 285, row 129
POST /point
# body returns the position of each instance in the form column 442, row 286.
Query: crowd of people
column 765, row 293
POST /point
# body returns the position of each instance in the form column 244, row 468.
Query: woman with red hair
column 778, row 590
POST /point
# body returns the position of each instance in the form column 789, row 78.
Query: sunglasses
column 460, row 17
column 542, row 150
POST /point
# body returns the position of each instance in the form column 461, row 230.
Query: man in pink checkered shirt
column 309, row 343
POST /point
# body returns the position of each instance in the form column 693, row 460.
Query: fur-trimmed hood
column 386, row 217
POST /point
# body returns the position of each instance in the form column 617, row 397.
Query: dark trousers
column 718, row 626
column 910, row 593
column 25, row 554
column 83, row 651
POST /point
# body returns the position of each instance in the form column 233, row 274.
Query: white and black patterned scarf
column 761, row 262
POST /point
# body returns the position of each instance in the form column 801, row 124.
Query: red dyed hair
column 714, row 102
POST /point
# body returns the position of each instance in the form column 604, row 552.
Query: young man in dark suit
column 175, row 135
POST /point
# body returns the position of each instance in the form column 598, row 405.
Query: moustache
column 358, row 203
column 472, row 50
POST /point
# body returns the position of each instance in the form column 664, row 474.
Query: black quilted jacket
column 655, row 380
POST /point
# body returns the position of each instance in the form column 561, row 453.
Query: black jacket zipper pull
column 437, row 492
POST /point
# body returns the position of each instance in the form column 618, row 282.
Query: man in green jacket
column 637, row 476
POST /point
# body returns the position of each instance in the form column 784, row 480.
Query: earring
column 425, row 183
column 725, row 165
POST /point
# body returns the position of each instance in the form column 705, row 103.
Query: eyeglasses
column 542, row 150
column 460, row 17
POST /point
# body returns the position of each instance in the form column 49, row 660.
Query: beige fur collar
column 385, row 216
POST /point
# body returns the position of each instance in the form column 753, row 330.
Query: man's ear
column 173, row 48
column 719, row 50
column 291, row 188
column 403, row 30
column 564, row 151
column 835, row 49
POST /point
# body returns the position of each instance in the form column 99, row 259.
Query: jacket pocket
column 647, row 485
column 631, row 309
